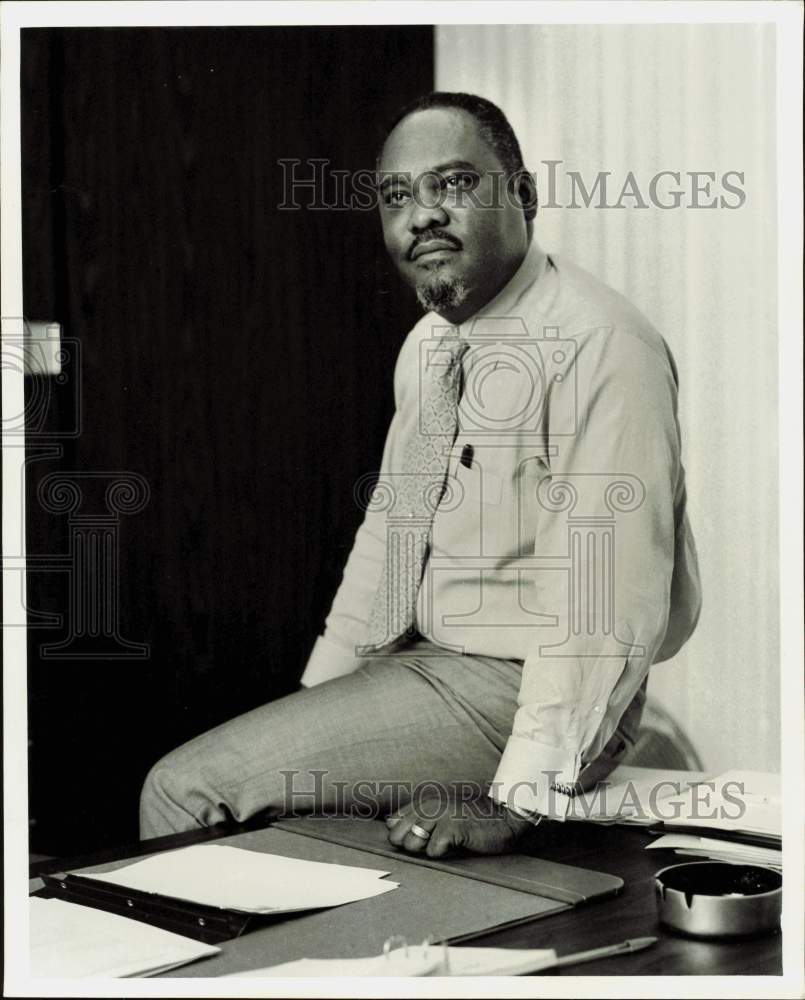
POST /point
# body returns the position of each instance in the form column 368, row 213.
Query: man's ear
column 524, row 188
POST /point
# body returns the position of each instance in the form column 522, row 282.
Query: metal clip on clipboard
column 209, row 924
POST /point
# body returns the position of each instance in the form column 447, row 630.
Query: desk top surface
column 616, row 850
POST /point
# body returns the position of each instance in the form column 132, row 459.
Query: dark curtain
column 233, row 357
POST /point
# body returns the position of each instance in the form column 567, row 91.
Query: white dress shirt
column 563, row 540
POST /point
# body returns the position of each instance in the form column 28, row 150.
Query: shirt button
column 597, row 708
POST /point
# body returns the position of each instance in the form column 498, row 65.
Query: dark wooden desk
column 620, row 850
column 617, row 850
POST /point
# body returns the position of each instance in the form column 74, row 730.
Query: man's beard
column 441, row 294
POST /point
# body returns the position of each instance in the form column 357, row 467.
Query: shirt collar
column 527, row 274
column 531, row 269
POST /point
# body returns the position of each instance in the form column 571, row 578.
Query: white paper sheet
column 233, row 878
column 416, row 962
column 718, row 850
column 68, row 941
column 730, row 858
column 756, row 809
column 645, row 796
column 638, row 795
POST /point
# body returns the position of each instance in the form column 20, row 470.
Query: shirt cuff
column 534, row 778
column 327, row 660
column 533, row 818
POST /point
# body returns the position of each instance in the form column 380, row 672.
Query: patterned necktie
column 419, row 487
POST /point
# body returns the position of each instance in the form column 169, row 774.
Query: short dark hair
column 492, row 123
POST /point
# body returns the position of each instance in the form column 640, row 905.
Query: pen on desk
column 622, row 948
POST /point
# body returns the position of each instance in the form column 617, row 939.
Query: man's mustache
column 431, row 236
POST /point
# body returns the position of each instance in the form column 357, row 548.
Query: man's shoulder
column 583, row 305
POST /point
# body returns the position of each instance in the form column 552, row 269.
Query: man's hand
column 480, row 825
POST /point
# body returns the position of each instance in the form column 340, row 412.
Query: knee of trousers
column 167, row 787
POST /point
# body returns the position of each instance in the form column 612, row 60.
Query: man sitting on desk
column 525, row 555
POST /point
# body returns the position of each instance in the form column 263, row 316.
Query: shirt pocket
column 468, row 516
column 520, row 531
column 503, row 487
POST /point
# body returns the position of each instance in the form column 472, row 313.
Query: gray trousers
column 365, row 743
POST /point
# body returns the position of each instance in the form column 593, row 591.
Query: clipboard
column 208, row 924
